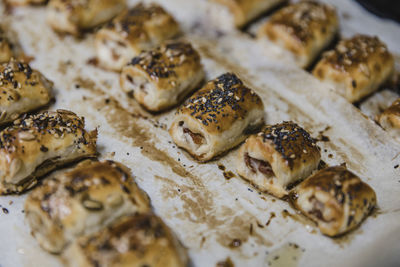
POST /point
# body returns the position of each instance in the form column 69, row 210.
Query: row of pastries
column 355, row 68
column 225, row 112
column 221, row 114
column 283, row 160
column 95, row 214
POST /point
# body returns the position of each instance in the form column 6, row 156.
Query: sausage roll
column 141, row 28
column 25, row 2
column 244, row 11
column 217, row 117
column 135, row 241
column 82, row 201
column 390, row 118
column 75, row 16
column 278, row 156
column 303, row 29
column 161, row 78
column 22, row 90
column 335, row 198
column 37, row 144
column 356, row 67
column 5, row 47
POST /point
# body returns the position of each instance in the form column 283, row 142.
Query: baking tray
column 384, row 8
column 207, row 205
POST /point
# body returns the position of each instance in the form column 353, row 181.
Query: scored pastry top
column 136, row 229
column 303, row 18
column 164, row 62
column 290, row 140
column 337, row 199
column 350, row 53
column 35, row 144
column 98, row 185
column 75, row 16
column 55, row 124
column 138, row 240
column 342, row 185
column 221, row 102
column 18, row 80
column 246, row 10
column 132, row 22
column 11, row 72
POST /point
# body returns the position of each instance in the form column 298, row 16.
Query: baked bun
column 37, row 144
column 302, row 30
column 82, row 201
column 163, row 77
column 356, row 67
column 336, row 199
column 217, row 118
column 143, row 27
column 23, row 89
column 277, row 157
column 75, row 16
column 135, row 241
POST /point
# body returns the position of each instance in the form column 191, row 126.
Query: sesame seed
column 219, row 98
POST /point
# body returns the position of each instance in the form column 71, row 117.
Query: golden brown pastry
column 37, row 144
column 75, row 16
column 161, row 78
column 141, row 28
column 335, row 198
column 390, row 118
column 5, row 47
column 356, row 67
column 135, row 241
column 278, row 156
column 25, row 2
column 302, row 29
column 247, row 10
column 22, row 90
column 217, row 117
column 82, row 201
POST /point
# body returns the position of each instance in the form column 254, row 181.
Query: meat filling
column 198, row 139
column 317, row 209
column 255, row 164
